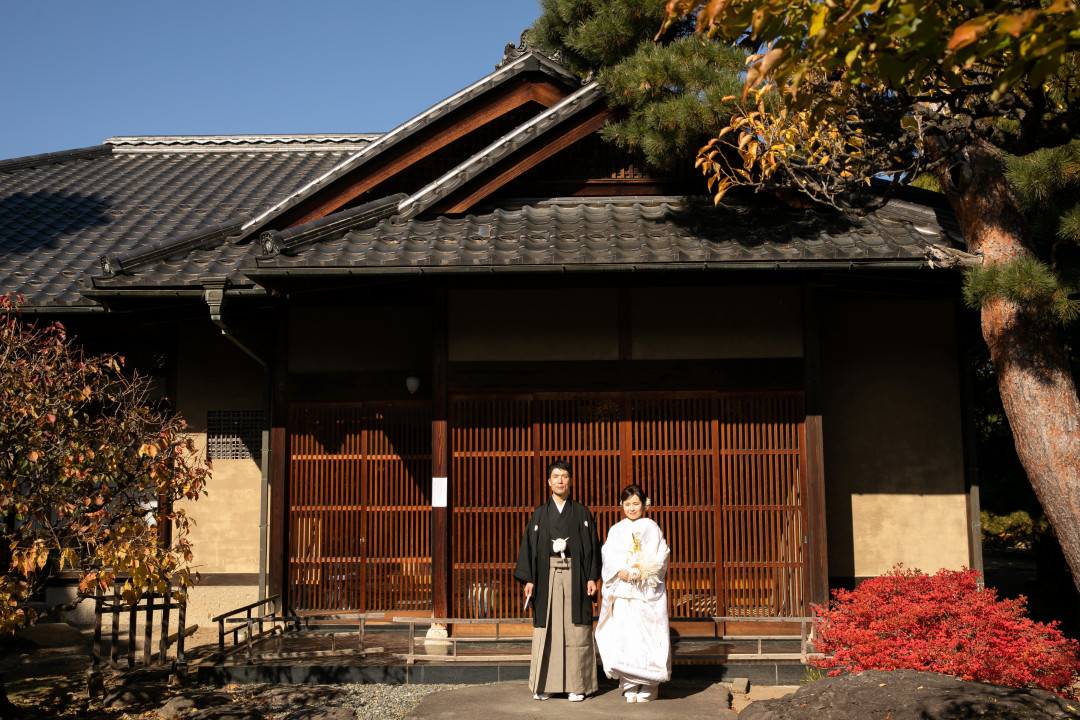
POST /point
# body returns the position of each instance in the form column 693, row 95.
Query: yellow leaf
column 818, row 22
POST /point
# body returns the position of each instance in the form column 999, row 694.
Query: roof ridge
column 261, row 139
column 126, row 263
column 54, row 157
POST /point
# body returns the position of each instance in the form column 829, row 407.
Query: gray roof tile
column 593, row 233
column 143, row 193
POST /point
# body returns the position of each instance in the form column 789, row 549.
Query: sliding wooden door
column 725, row 474
column 359, row 507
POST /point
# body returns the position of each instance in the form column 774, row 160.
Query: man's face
column 559, row 482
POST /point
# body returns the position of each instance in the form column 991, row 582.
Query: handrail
column 220, row 620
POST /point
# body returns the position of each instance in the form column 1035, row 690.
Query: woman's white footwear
column 630, row 697
column 574, row 697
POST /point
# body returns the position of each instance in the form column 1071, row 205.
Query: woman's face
column 633, row 508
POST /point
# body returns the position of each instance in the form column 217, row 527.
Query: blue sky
column 75, row 72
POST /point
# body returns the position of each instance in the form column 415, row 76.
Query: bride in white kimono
column 632, row 633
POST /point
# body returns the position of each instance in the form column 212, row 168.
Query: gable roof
column 60, row 213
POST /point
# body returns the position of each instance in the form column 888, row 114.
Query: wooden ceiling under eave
column 411, row 163
column 573, row 162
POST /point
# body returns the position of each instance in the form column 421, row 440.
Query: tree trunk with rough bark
column 1030, row 359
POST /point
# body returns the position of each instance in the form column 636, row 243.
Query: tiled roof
column 60, row 213
column 571, row 234
column 642, row 232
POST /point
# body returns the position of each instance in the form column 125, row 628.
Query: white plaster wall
column 213, row 374
column 893, row 446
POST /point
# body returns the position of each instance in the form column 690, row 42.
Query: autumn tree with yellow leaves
column 93, row 473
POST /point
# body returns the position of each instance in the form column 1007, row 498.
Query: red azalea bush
column 942, row 623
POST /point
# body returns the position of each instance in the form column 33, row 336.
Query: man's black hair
column 559, row 465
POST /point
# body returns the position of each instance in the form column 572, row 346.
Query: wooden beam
column 582, row 127
column 398, row 160
column 612, row 376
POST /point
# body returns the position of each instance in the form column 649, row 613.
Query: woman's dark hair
column 630, row 491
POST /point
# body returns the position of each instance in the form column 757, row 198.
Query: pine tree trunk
column 1030, row 360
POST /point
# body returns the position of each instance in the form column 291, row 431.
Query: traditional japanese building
column 381, row 340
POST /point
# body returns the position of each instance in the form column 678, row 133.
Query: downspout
column 214, row 295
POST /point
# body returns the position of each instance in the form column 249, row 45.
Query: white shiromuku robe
column 632, row 633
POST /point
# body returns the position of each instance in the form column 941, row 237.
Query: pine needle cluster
column 672, row 88
column 1027, row 281
column 676, row 96
column 593, row 34
column 1047, row 183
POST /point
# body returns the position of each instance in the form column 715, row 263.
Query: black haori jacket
column 532, row 562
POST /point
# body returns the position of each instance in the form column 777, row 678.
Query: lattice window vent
column 234, row 434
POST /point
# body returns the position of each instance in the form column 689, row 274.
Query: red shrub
column 942, row 623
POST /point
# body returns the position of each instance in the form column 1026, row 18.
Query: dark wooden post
column 966, row 367
column 816, row 540
column 95, row 682
column 114, row 638
column 441, row 563
column 148, row 629
column 278, row 550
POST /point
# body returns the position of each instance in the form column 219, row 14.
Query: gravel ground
column 371, row 702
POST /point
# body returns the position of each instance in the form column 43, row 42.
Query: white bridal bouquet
column 644, row 569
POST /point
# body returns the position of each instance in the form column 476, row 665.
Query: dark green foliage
column 675, row 95
column 1027, row 281
column 592, row 34
column 1047, row 183
column 673, row 89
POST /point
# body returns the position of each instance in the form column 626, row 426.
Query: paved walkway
column 686, row 700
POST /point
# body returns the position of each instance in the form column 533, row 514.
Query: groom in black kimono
column 559, row 563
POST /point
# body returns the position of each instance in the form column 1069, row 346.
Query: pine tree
column 672, row 89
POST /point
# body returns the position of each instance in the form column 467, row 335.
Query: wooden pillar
column 965, row 356
column 441, row 562
column 816, row 534
column 278, row 542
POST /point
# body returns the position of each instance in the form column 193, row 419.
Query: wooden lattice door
column 725, row 473
column 360, row 507
column 764, row 562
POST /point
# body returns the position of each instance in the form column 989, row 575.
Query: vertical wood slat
column 726, row 472
column 359, row 504
column 492, row 455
